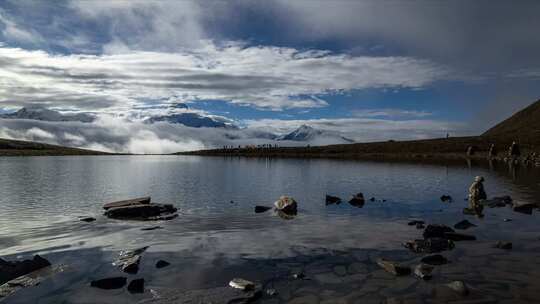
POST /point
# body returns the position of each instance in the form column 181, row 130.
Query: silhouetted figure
column 514, row 150
column 470, row 151
column 492, row 153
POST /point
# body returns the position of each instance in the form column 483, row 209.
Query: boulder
column 435, row 259
column 436, row 231
column 261, row 209
column 287, row 205
column 109, row 283
column 503, row 245
column 142, row 212
column 136, row 286
column 430, row 245
column 242, row 284
column 423, row 271
column 523, row 207
column 332, row 200
column 394, row 267
column 11, row 270
column 129, row 261
column 446, row 199
column 357, row 200
column 463, row 225
column 162, row 264
column 129, row 202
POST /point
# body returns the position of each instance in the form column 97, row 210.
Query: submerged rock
column 430, row 245
column 287, row 205
column 435, row 259
column 423, row 271
column 357, row 200
column 261, row 209
column 87, row 219
column 136, row 286
column 142, row 212
column 162, row 264
column 463, row 225
column 394, row 267
column 503, row 245
column 11, row 270
column 130, row 202
column 109, row 283
column 242, row 284
column 332, row 200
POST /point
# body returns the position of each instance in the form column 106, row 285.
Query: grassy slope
column 25, row 148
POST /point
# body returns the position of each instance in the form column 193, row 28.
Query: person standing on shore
column 514, row 150
column 492, row 153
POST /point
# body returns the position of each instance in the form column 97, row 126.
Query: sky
column 366, row 70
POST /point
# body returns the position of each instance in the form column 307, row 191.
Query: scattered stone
column 456, row 237
column 459, row 287
column 435, row 259
column 129, row 260
column 125, row 203
column 523, row 207
column 87, row 219
column 436, row 231
column 142, row 212
column 109, row 283
column 271, row 292
column 261, row 209
column 503, row 245
column 287, row 205
column 393, row 267
column 415, row 222
column 162, row 264
column 12, row 270
column 242, row 284
column 151, row 228
column 136, row 286
column 423, row 271
column 332, row 200
column 463, row 225
column 357, row 200
column 446, row 199
column 431, row 245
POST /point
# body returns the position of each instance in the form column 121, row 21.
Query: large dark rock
column 430, row 245
column 109, row 283
column 142, row 212
column 464, row 225
column 332, row 200
column 129, row 202
column 436, row 231
column 11, row 270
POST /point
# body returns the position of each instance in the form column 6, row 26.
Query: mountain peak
column 523, row 125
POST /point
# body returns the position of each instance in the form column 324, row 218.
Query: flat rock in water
column 109, row 283
column 11, row 270
column 430, row 245
column 219, row 295
column 261, row 209
column 332, row 200
column 162, row 264
column 436, row 231
column 87, row 219
column 136, row 286
column 142, row 212
column 394, row 267
column 435, row 259
column 423, row 271
column 129, row 202
column 453, row 236
column 242, row 284
column 463, row 225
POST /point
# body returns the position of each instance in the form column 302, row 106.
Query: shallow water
column 214, row 240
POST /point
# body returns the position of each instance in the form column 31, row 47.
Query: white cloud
column 258, row 76
column 13, row 32
column 390, row 113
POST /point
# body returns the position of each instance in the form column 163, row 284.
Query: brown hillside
column 523, row 126
column 26, row 148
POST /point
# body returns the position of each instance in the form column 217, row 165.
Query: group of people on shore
column 512, row 155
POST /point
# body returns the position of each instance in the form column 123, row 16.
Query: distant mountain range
column 193, row 120
column 40, row 113
column 306, row 133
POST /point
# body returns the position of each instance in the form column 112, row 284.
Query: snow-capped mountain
column 193, row 120
column 309, row 134
column 40, row 113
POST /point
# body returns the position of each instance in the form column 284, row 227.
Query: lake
column 218, row 236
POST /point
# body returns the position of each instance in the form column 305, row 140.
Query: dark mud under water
column 214, row 240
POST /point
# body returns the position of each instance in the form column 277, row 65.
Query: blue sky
column 427, row 67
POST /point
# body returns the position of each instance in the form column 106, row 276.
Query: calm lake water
column 214, row 240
